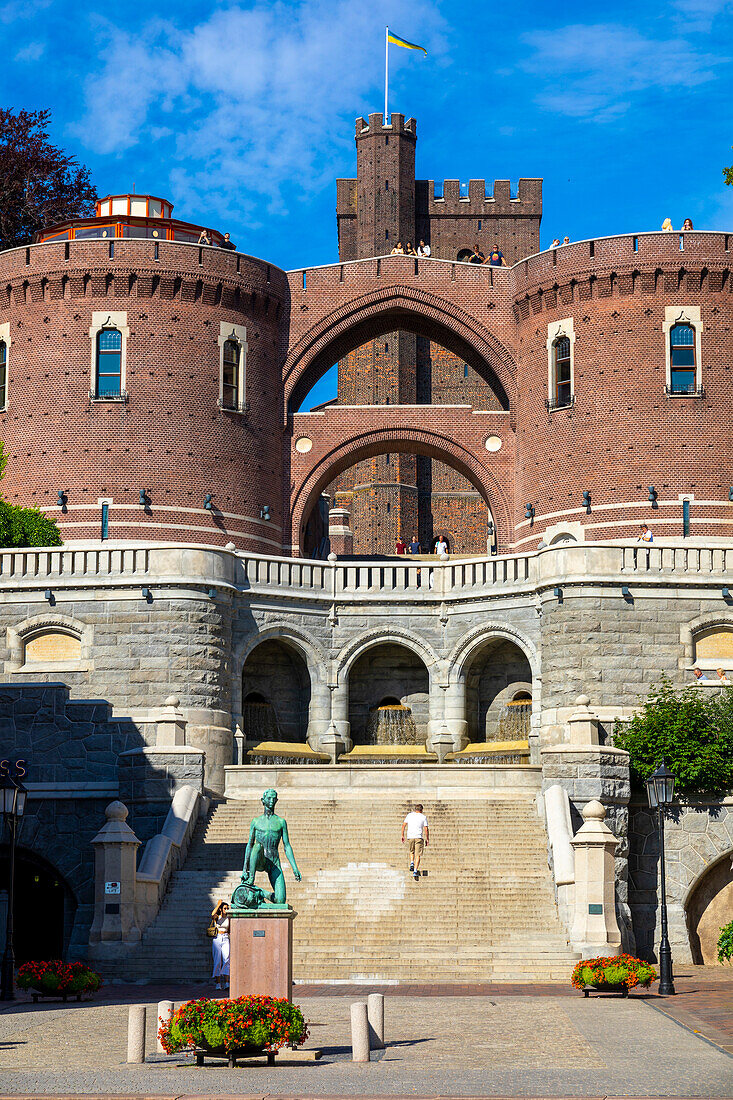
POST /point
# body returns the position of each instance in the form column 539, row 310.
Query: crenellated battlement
column 376, row 125
column 455, row 198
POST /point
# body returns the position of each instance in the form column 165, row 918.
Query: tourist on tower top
column 398, row 250
column 423, row 249
column 496, row 257
column 227, row 243
column 204, row 237
column 400, row 547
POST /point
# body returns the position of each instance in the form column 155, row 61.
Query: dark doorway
column 44, row 907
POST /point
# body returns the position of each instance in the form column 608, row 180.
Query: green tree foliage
column 728, row 174
column 691, row 729
column 24, row 526
column 39, row 183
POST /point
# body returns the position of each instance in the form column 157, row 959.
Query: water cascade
column 392, row 724
column 260, row 721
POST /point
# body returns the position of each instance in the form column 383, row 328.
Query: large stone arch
column 411, row 440
column 314, row 657
column 466, row 649
column 397, row 307
column 383, row 636
column 309, row 648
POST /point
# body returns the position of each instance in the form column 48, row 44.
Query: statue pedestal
column 261, row 958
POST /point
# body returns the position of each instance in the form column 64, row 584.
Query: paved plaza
column 466, row 1041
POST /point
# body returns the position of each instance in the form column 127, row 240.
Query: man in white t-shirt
column 415, row 827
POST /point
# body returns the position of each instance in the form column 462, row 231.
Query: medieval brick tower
column 405, row 494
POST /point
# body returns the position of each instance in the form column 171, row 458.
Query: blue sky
column 243, row 114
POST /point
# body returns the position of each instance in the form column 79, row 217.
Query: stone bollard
column 136, row 1034
column 375, row 1014
column 165, row 1011
column 359, row 1032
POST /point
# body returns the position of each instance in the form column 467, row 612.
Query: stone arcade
column 186, row 648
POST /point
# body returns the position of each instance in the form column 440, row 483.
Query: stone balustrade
column 87, row 565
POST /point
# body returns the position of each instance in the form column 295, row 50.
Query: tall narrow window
column 109, row 363
column 3, row 374
column 230, row 393
column 563, row 373
column 683, row 368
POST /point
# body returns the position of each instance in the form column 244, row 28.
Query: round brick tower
column 624, row 352
column 143, row 390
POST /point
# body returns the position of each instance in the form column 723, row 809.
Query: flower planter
column 56, row 978
column 247, row 1027
column 612, row 974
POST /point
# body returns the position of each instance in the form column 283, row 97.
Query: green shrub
column 690, row 729
column 725, row 943
column 21, row 527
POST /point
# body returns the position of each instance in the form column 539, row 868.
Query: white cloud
column 21, row 9
column 32, row 52
column 595, row 70
column 255, row 96
column 699, row 15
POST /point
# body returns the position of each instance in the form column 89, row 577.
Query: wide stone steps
column 484, row 910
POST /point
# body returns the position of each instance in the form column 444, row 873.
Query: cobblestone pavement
column 503, row 1044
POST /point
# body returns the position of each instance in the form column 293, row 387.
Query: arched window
column 230, row 382
column 3, row 374
column 683, row 368
column 109, row 363
column 562, row 372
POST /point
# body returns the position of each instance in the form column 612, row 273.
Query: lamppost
column 12, row 803
column 660, row 789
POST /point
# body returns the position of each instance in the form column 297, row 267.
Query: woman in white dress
column 220, row 944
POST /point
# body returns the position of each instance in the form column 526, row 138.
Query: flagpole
column 386, row 72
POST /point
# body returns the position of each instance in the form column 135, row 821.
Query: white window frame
column 6, row 339
column 238, row 333
column 556, row 329
column 683, row 315
column 102, row 319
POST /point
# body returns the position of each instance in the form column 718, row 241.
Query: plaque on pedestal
column 261, row 958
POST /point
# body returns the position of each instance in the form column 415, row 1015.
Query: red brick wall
column 170, row 438
column 623, row 433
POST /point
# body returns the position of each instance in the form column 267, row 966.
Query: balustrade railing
column 357, row 580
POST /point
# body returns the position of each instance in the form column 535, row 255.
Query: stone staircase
column 484, row 911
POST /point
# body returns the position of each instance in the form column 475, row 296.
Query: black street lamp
column 12, row 803
column 660, row 790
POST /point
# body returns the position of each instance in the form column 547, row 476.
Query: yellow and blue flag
column 393, row 38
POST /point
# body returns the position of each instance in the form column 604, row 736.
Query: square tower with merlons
column 403, row 494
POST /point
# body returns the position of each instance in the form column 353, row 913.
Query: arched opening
column 714, row 649
column 389, row 697
column 464, row 255
column 482, row 501
column 709, row 907
column 44, row 907
column 499, row 693
column 563, row 537
column 276, row 691
column 396, row 496
column 402, row 355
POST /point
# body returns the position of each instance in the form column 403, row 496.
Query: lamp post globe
column 12, row 803
column 660, row 792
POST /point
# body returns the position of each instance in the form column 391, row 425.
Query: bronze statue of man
column 265, row 834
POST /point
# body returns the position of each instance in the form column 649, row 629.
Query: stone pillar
column 261, row 960
column 319, row 711
column 336, row 739
column 171, row 725
column 455, row 714
column 115, row 858
column 588, row 771
column 595, row 929
column 340, row 534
